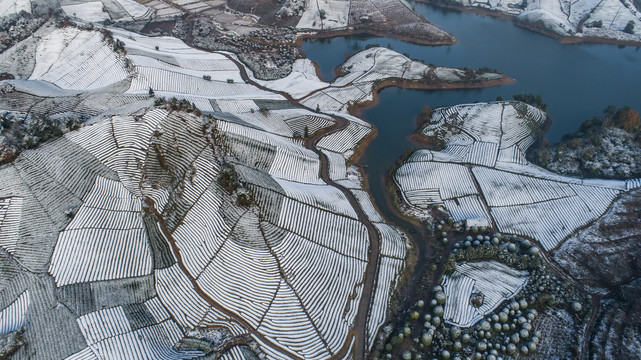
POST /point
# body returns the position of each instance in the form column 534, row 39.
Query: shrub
column 426, row 113
column 20, row 132
column 72, row 123
column 228, row 178
column 531, row 99
column 629, row 28
column 486, row 69
column 628, row 119
column 244, row 199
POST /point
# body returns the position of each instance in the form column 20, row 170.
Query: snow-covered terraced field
column 131, row 201
column 270, row 286
column 632, row 184
column 471, row 178
column 74, row 59
column 12, row 317
column 91, row 11
column 289, row 276
column 9, row 7
column 346, row 140
column 100, row 10
column 120, row 143
column 335, row 14
column 300, row 82
column 10, row 213
column 105, row 240
column 283, row 157
column 111, row 334
column 495, row 281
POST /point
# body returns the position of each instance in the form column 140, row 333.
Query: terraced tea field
column 482, row 173
column 161, row 201
column 133, row 204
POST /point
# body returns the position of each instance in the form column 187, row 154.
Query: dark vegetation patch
column 228, row 178
column 138, row 316
column 606, row 146
column 17, row 27
column 77, row 297
column 511, row 331
column 160, row 250
column 19, row 132
column 163, row 27
column 618, row 327
column 531, row 99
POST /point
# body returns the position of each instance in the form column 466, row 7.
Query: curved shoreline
column 574, row 39
column 328, row 34
column 421, row 251
column 356, row 109
column 533, row 27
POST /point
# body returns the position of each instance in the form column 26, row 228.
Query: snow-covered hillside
column 618, row 20
column 133, row 201
column 482, row 174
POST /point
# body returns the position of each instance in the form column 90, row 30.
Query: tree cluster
column 174, row 104
column 606, row 146
column 18, row 132
column 629, row 27
column 531, row 99
column 17, row 27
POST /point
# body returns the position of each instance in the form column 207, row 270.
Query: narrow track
column 584, row 351
column 371, row 271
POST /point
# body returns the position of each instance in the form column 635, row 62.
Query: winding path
column 358, row 335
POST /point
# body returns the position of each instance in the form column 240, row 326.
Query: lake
column 578, row 81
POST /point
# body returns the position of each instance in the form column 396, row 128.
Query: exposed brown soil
column 327, row 34
column 409, row 84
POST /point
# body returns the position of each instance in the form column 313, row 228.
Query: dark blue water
column 577, row 81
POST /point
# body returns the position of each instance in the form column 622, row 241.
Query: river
column 577, row 80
